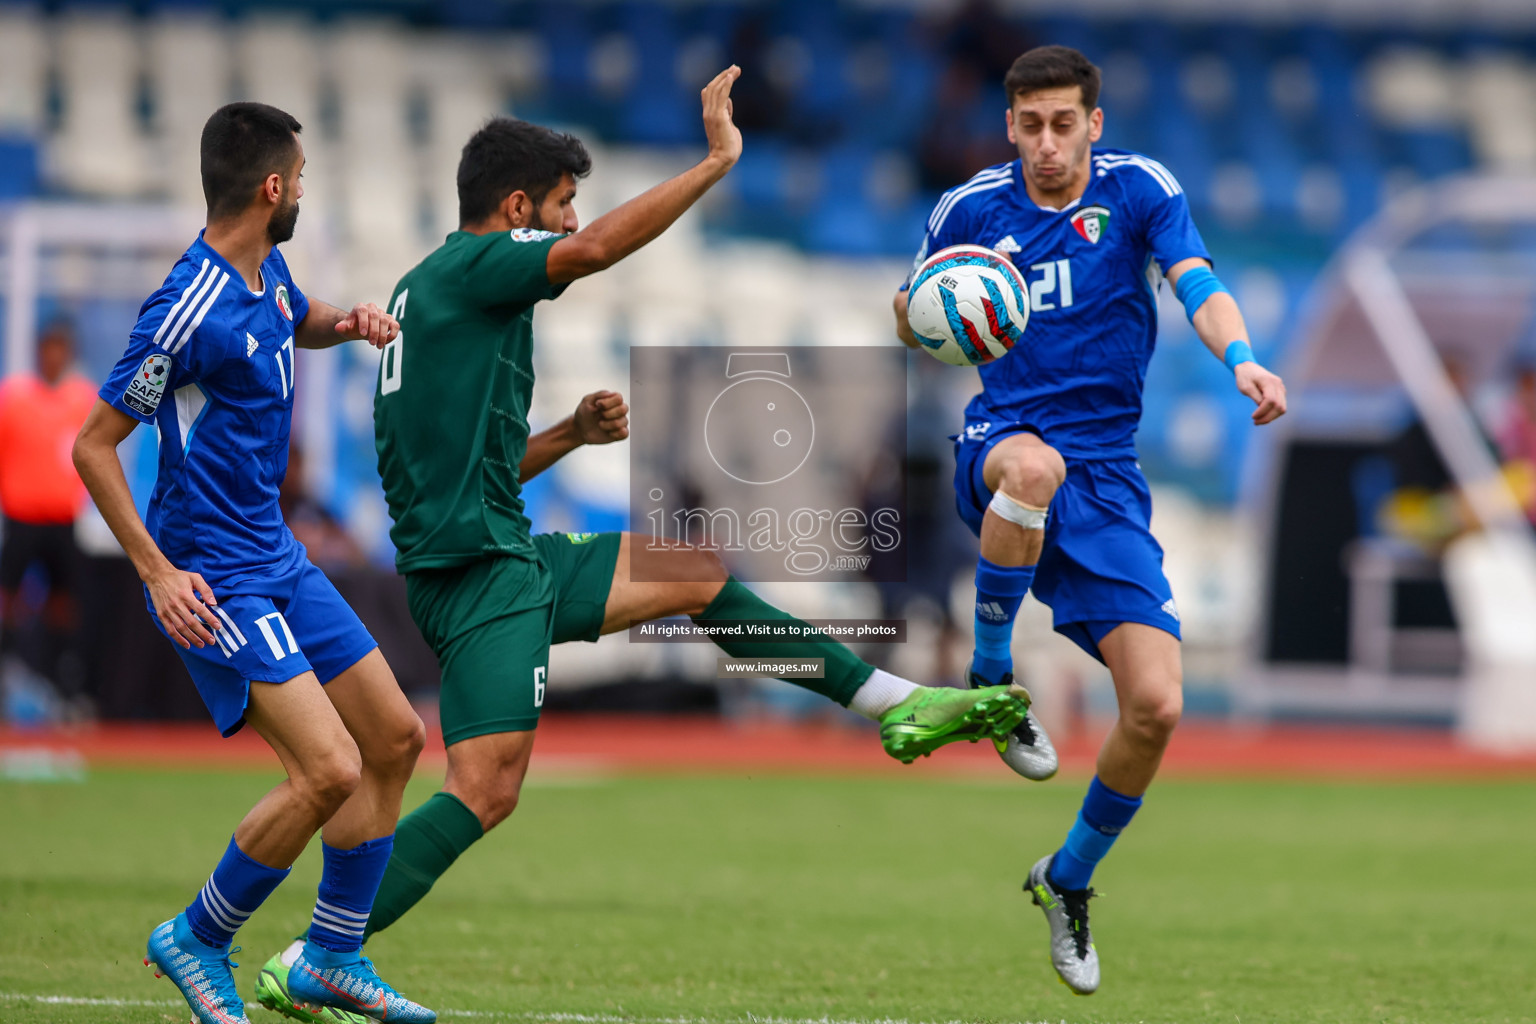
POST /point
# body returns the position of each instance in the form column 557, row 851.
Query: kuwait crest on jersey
column 283, row 302
column 1090, row 222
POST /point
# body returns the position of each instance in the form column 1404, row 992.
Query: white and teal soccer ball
column 968, row 305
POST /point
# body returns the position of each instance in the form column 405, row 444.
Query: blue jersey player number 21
column 1046, row 472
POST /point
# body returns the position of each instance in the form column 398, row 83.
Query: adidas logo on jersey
column 1172, row 609
column 251, row 344
column 1007, row 245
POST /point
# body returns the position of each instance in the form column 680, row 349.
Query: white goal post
column 77, row 252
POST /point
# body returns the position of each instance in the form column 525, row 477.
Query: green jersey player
column 490, row 596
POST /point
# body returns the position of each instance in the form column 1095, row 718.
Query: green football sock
column 845, row 671
column 427, row 842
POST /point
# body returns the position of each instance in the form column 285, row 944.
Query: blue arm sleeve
column 1195, row 286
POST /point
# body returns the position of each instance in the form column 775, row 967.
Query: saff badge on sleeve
column 148, row 384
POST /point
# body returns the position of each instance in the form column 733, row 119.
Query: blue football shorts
column 297, row 624
column 1101, row 565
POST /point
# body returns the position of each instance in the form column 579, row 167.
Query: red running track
column 640, row 744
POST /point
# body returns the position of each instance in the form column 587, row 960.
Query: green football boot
column 272, row 992
column 936, row 715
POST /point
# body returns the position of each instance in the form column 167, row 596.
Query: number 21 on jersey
column 1052, row 288
column 389, row 364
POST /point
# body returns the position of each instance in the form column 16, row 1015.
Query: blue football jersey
column 210, row 363
column 1093, row 270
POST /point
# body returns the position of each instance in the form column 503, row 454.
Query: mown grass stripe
column 522, row 1015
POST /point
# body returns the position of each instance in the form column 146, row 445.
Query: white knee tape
column 1027, row 516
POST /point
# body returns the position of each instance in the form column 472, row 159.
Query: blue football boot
column 348, row 981
column 203, row 973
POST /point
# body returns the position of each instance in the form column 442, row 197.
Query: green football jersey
column 450, row 411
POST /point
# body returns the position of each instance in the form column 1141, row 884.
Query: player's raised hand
column 184, row 603
column 1266, row 389
column 723, row 135
column 602, row 418
column 367, row 322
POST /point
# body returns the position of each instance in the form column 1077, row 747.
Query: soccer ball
column 968, row 305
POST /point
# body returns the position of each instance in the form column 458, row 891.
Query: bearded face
column 284, row 219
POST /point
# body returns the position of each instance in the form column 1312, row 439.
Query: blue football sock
column 232, row 893
column 349, row 880
column 1000, row 589
column 1105, row 813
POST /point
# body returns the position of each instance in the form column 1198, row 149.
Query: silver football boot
column 1066, row 910
column 1028, row 750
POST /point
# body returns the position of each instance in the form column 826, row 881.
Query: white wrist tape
column 1027, row 516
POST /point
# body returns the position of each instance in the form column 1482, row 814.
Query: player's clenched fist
column 602, row 417
column 367, row 322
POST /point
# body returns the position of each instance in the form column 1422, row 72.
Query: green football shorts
column 491, row 624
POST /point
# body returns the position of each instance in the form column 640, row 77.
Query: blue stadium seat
column 567, row 38
column 471, row 14
column 902, row 230
column 18, row 167
column 845, row 224
column 759, row 178
column 826, row 87
column 1433, row 153
column 1362, row 181
column 845, row 170
column 1069, row 30
column 657, row 110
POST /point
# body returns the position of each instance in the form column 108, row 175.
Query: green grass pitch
column 728, row 899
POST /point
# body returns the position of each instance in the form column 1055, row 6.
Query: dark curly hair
column 508, row 155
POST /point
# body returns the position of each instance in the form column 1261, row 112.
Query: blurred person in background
column 328, row 543
column 979, row 35
column 951, row 145
column 978, row 45
column 1426, row 507
column 1517, row 438
column 41, row 496
column 761, row 105
column 1046, row 469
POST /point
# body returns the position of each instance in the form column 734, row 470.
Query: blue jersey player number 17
column 265, row 636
